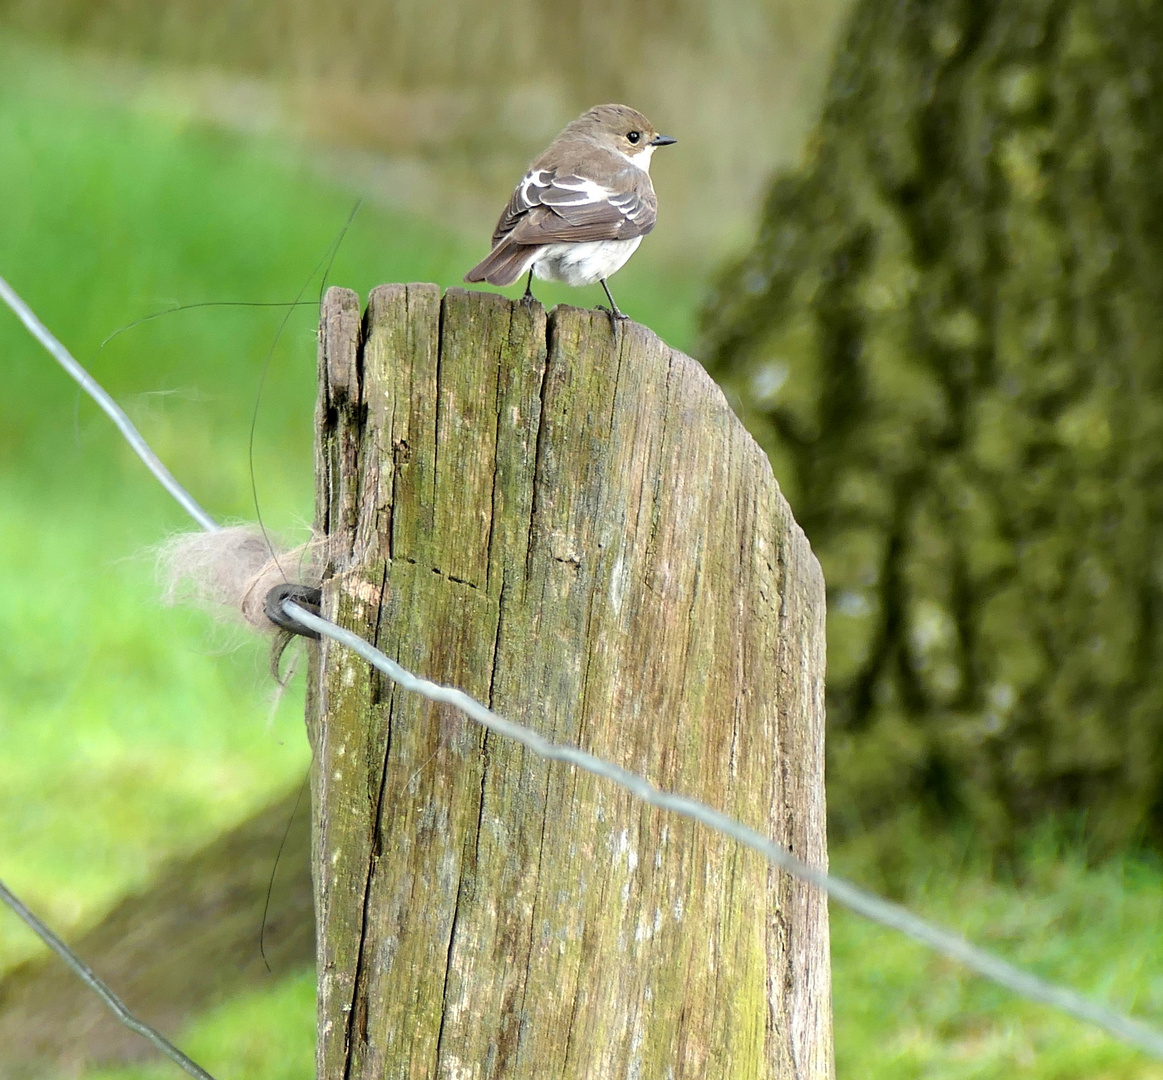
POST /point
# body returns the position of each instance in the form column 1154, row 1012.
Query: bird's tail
column 504, row 264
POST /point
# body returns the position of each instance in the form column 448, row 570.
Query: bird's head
column 623, row 130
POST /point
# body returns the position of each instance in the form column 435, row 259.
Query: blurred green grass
column 132, row 732
column 903, row 1013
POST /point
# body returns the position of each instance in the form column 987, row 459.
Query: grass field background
column 131, row 732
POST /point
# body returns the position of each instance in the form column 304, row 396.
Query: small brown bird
column 582, row 208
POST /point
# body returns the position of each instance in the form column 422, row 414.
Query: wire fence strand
column 844, row 892
column 866, row 904
column 90, row 978
column 114, row 411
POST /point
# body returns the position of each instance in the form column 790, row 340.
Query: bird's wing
column 547, row 208
column 526, row 196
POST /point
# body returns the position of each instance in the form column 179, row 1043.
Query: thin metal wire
column 114, row 411
column 851, row 896
column 329, row 254
column 190, row 505
column 90, row 978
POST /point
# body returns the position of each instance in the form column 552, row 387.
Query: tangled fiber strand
column 229, row 572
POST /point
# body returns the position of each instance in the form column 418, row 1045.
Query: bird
column 582, row 208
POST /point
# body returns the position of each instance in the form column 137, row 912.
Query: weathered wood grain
column 578, row 532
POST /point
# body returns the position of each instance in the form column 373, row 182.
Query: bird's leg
column 616, row 316
column 528, row 286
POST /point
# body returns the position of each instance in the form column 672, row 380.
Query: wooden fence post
column 579, row 533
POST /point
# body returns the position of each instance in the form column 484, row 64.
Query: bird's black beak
column 663, row 140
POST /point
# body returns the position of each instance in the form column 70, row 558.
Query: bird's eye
column 633, row 137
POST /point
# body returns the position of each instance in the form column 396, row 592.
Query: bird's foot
column 616, row 317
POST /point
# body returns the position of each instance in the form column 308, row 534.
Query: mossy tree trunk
column 579, row 533
column 948, row 338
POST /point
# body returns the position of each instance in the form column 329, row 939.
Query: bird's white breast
column 585, row 263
